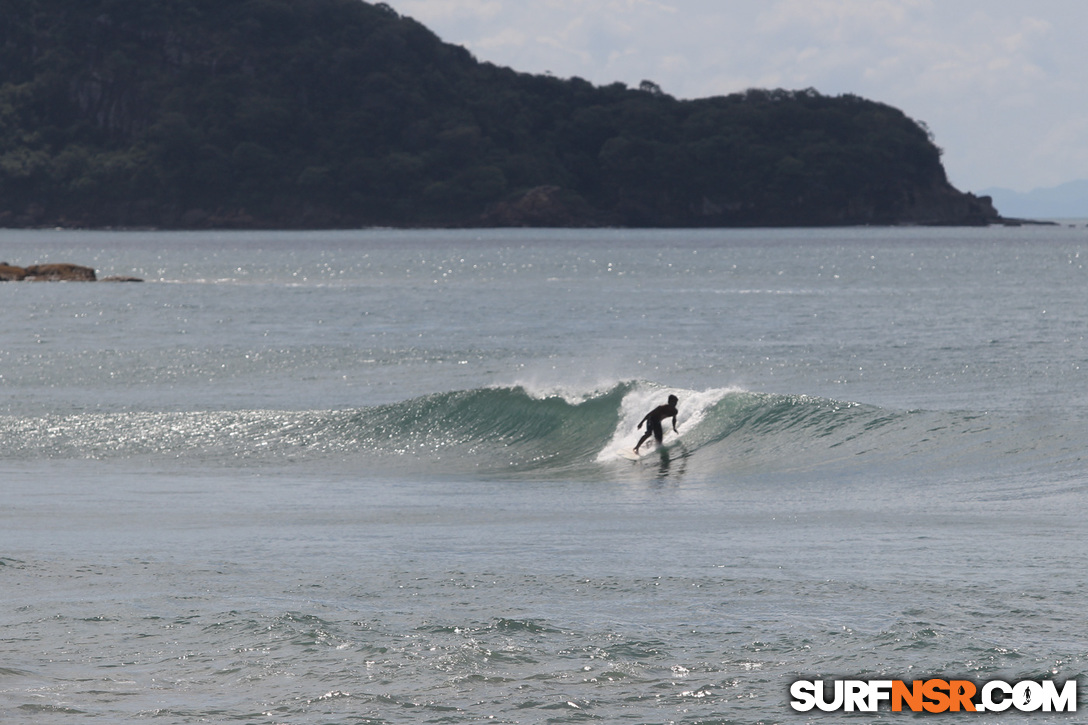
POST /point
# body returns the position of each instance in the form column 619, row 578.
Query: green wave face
column 511, row 431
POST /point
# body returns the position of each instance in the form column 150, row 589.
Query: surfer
column 653, row 421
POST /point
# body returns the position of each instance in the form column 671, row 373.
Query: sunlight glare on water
column 371, row 476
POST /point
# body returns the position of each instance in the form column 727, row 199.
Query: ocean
column 374, row 476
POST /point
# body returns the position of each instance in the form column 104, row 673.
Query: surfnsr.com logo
column 933, row 695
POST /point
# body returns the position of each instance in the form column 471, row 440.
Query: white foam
column 691, row 410
column 573, row 393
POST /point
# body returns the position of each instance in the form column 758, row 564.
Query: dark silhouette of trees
column 294, row 113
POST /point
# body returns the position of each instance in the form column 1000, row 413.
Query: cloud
column 443, row 11
column 837, row 20
column 504, row 39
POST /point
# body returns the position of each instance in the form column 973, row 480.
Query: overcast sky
column 1003, row 84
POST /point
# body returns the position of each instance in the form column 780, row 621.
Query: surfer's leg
column 659, row 435
column 642, row 440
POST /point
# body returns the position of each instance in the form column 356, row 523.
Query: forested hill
column 340, row 113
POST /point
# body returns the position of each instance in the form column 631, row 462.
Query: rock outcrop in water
column 46, row 273
column 55, row 272
column 337, row 113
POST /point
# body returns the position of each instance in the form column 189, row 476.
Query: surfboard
column 649, row 448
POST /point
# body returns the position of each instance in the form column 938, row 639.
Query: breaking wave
column 516, row 431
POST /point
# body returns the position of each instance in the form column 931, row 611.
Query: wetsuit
column 653, row 422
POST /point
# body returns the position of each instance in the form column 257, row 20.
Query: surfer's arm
column 674, row 425
column 643, row 421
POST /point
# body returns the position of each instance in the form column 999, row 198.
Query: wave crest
column 510, row 430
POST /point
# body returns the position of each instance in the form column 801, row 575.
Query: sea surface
column 373, row 476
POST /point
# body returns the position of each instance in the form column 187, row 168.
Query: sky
column 1002, row 84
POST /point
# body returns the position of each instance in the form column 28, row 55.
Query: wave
column 521, row 432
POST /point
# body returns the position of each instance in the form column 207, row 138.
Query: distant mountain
column 342, row 113
column 1067, row 201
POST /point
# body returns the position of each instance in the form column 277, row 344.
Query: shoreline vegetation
column 327, row 114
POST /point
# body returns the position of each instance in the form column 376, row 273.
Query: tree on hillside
column 188, row 113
